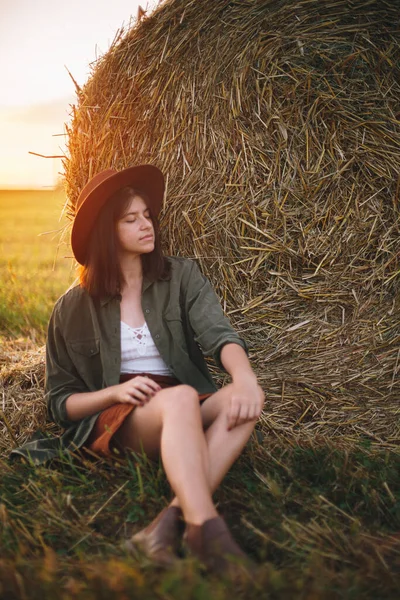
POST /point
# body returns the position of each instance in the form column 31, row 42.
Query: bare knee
column 180, row 397
column 186, row 391
column 222, row 400
column 143, row 427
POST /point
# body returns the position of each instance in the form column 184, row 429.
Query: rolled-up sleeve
column 212, row 328
column 62, row 378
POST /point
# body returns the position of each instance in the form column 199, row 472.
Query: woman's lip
column 147, row 237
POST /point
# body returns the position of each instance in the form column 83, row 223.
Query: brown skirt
column 110, row 420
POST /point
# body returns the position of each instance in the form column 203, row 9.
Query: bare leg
column 223, row 446
column 172, row 422
column 184, row 460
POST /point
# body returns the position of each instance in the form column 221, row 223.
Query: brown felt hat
column 98, row 190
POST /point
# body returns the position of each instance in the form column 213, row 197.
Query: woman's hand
column 137, row 390
column 246, row 403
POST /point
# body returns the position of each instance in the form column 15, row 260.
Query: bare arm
column 85, row 404
column 247, row 398
column 135, row 391
column 236, row 363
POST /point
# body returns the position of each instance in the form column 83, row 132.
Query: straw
column 277, row 125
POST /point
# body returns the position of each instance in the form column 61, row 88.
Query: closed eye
column 132, row 220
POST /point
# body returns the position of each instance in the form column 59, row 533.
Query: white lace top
column 139, row 354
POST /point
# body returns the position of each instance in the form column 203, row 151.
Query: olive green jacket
column 83, row 350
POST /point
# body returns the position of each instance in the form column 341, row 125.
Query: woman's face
column 135, row 229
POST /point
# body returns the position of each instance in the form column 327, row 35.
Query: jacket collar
column 145, row 284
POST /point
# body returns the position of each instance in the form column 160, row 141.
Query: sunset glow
column 39, row 40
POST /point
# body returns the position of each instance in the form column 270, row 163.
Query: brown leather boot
column 213, row 544
column 160, row 540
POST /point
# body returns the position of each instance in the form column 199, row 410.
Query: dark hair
column 101, row 274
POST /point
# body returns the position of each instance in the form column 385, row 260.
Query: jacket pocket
column 89, row 347
column 176, row 327
column 85, row 356
column 173, row 313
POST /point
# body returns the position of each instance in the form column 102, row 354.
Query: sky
column 38, row 39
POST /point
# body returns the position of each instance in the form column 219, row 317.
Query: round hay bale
column 277, row 125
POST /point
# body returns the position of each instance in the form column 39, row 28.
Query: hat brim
column 144, row 177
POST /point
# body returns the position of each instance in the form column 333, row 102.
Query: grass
column 33, row 270
column 323, row 523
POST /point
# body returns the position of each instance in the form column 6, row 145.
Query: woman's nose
column 145, row 224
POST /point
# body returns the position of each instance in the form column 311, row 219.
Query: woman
column 125, row 365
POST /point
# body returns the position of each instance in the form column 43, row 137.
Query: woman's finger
column 134, row 401
column 151, row 383
column 147, row 389
column 136, row 393
column 238, row 417
column 153, row 387
column 232, row 415
column 139, row 381
column 243, row 414
column 141, row 385
column 252, row 412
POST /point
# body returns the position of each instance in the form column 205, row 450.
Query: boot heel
column 159, row 541
column 213, row 544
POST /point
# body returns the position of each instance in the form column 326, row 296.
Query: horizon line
column 28, row 188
